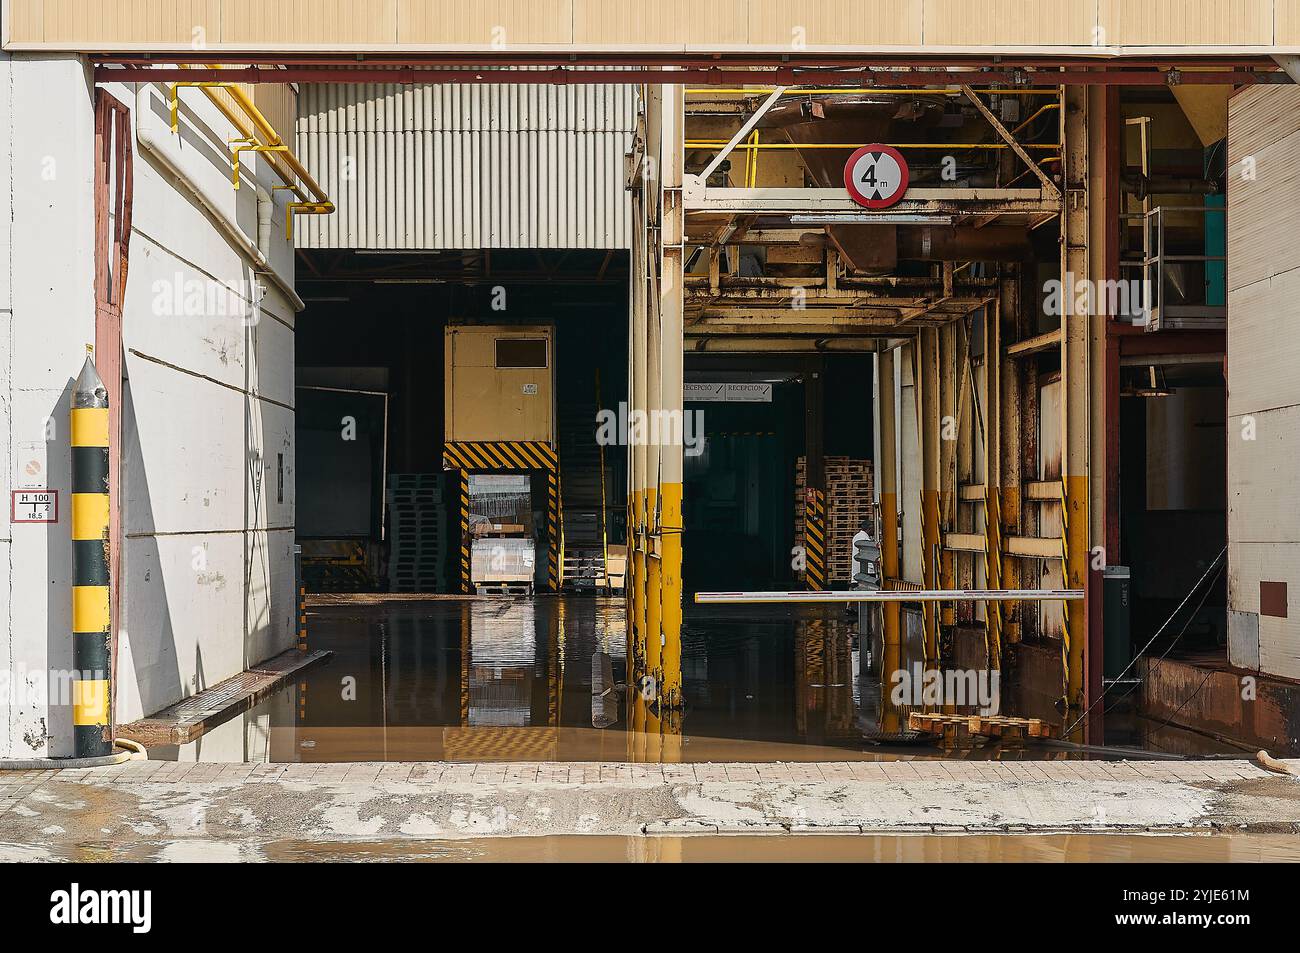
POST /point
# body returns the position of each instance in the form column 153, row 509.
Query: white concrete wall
column 48, row 308
column 207, row 580
column 1263, row 433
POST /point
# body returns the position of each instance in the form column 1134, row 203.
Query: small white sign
column 530, row 390
column 34, row 506
column 729, row 393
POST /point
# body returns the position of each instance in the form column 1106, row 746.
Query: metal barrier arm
column 885, row 595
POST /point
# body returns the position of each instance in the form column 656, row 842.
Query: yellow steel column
column 926, row 362
column 991, row 414
column 947, row 344
column 671, row 397
column 1009, row 467
column 887, row 478
column 1075, row 384
column 637, row 541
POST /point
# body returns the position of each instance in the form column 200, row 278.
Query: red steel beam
column 855, row 60
column 563, row 76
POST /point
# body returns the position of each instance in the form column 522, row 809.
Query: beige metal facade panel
column 1255, row 124
column 788, row 23
column 627, row 25
column 279, row 104
column 484, row 23
column 663, row 23
column 175, row 22
column 484, row 402
column 1002, row 23
column 1186, row 22
column 1249, row 564
column 1264, row 347
column 1286, row 22
column 1263, row 350
column 1262, row 184
column 467, row 166
column 1261, row 479
column 252, row 23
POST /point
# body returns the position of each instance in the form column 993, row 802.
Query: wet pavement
column 148, row 809
column 517, row 679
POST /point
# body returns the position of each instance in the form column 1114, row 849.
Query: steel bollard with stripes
column 90, row 583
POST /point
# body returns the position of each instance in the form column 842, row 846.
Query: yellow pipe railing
column 249, row 121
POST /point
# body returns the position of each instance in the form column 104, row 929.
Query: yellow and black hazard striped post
column 814, row 535
column 91, row 632
column 465, row 584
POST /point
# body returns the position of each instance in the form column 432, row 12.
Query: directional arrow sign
column 876, row 176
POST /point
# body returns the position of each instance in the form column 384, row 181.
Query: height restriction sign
column 876, row 176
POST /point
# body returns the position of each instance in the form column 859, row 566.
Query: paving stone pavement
column 168, row 801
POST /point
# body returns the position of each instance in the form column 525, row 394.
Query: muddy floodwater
column 904, row 848
column 515, row 679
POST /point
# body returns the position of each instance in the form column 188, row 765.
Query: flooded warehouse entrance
column 860, row 400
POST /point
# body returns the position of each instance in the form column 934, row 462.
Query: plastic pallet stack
column 417, row 525
column 849, row 495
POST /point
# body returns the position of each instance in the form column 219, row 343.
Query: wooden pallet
column 959, row 729
column 503, row 589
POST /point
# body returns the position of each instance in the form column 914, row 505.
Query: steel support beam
column 1076, row 368
column 887, row 482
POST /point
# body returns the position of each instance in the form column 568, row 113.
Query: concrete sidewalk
column 167, row 801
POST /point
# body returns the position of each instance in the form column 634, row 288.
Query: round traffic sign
column 876, row 176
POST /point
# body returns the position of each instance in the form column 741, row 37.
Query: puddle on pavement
column 905, row 848
column 505, row 679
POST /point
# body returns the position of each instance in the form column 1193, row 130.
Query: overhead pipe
column 149, row 141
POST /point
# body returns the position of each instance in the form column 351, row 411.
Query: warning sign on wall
column 34, row 506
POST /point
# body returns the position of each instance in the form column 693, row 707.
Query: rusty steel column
column 887, row 479
column 1076, row 383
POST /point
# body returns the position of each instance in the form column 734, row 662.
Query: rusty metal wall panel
column 467, row 166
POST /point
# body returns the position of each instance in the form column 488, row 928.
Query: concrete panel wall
column 47, row 205
column 1263, row 433
column 207, row 459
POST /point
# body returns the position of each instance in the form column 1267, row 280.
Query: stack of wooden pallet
column 418, row 533
column 849, row 495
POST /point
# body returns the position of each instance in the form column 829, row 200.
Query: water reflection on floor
column 540, row 679
column 504, row 679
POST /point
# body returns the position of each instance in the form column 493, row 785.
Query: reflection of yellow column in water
column 886, row 476
column 464, row 663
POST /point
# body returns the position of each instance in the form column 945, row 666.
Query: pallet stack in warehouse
column 418, row 533
column 849, row 494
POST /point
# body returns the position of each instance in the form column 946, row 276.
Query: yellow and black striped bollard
column 90, row 581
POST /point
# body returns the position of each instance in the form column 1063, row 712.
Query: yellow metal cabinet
column 500, row 383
